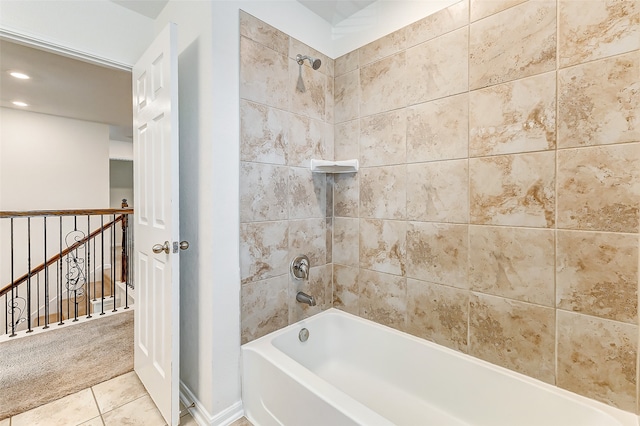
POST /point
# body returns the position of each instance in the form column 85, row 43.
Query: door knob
column 183, row 245
column 159, row 248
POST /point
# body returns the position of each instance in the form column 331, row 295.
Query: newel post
column 125, row 256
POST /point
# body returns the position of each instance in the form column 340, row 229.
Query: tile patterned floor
column 122, row 400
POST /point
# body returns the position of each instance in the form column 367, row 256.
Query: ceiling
column 149, row 8
column 335, row 11
column 66, row 87
column 76, row 89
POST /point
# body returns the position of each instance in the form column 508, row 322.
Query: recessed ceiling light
column 20, row 75
column 20, row 103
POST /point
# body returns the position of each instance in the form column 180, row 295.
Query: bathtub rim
column 264, row 345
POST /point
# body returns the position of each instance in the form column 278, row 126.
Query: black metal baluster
column 6, row 314
column 88, row 267
column 74, row 256
column 60, row 278
column 113, row 264
column 102, row 255
column 38, row 299
column 125, row 259
column 13, row 300
column 46, row 278
column 29, row 330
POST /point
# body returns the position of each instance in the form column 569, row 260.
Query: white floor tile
column 70, row 410
column 118, row 391
column 4, row 422
column 141, row 412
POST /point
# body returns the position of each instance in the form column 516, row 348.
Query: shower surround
column 496, row 211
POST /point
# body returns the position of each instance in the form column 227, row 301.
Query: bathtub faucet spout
column 305, row 298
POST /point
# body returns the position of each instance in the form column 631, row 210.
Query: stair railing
column 67, row 284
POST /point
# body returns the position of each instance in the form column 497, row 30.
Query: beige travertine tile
column 441, row 22
column 382, row 245
column 118, row 391
column 383, row 192
column 383, row 85
column 345, row 241
column 516, row 335
column 263, row 192
column 264, row 133
column 346, row 195
column 518, row 116
column 594, row 29
column 597, row 274
column 438, row 191
column 598, row 102
column 438, row 313
column 5, row 422
column 438, row 130
column 264, row 74
column 264, row 248
column 73, row 409
column 96, row 421
column 597, row 358
column 346, row 293
column 307, row 140
column 309, row 237
column 263, row 33
column 311, row 102
column 516, row 190
column 329, row 99
column 307, row 194
column 382, row 47
column 188, row 420
column 346, row 140
column 346, row 63
column 264, row 307
column 513, row 262
column 483, row 8
column 347, row 96
column 241, row 422
column 383, row 139
column 599, row 188
column 438, row 67
column 329, row 236
column 513, row 44
column 142, row 412
column 318, row 285
column 438, row 253
column 329, row 142
column 383, row 298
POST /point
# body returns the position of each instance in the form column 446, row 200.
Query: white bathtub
column 352, row 371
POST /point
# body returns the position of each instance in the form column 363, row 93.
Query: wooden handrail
column 8, row 214
column 54, row 259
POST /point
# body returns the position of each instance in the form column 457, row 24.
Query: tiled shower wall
column 284, row 209
column 496, row 210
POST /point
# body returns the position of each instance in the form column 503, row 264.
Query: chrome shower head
column 314, row 62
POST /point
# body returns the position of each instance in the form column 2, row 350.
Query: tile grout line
column 97, row 405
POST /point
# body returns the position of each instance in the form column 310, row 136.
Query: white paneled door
column 156, row 229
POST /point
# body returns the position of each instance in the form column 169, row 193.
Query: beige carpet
column 38, row 369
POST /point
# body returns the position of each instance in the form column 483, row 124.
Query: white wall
column 120, row 183
column 100, row 27
column 120, row 150
column 51, row 163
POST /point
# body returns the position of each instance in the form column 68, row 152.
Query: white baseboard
column 203, row 417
